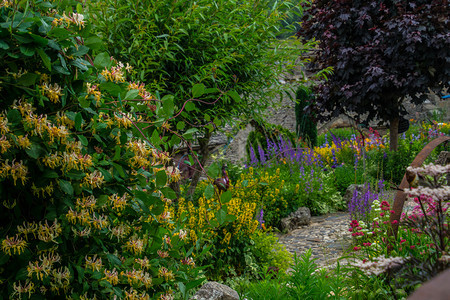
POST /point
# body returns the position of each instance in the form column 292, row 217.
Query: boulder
column 298, row 218
column 215, row 291
column 361, row 188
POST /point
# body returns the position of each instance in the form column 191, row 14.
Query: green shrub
column 82, row 187
column 269, row 253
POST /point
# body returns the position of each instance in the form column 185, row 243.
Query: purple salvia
column 262, row 155
column 253, row 159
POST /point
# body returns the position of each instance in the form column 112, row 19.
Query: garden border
column 400, row 196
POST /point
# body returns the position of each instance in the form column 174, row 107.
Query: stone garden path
column 327, row 236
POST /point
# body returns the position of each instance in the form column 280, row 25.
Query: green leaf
column 111, row 88
column 234, row 95
column 182, row 288
column 156, row 140
column 41, row 41
column 66, row 187
column 59, row 33
column 168, row 106
column 131, row 94
column 119, row 169
column 83, row 140
column 75, row 174
column 3, row 259
column 27, row 51
column 168, row 193
column 45, row 59
column 198, row 90
column 226, row 196
column 180, row 125
column 161, row 178
column 114, row 259
column 213, row 170
column 93, row 42
column 221, row 216
column 78, row 121
column 50, row 174
column 61, row 70
column 209, row 191
column 195, row 283
column 80, row 64
column 14, row 117
column 4, row 45
column 190, row 106
column 22, row 274
column 188, row 134
column 34, row 151
column 28, row 79
column 217, row 121
column 102, row 60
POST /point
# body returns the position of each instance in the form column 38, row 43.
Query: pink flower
column 402, row 241
column 412, row 246
column 356, row 248
column 394, row 222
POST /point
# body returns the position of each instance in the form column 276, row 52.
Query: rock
column 301, row 217
column 215, row 291
column 443, row 158
column 361, row 188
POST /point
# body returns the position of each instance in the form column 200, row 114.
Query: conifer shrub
column 306, row 127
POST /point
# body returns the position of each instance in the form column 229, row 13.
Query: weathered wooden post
column 400, row 197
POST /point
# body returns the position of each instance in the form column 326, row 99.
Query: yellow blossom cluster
column 135, row 295
column 4, row 129
column 199, row 218
column 41, row 126
column 67, row 161
column 137, row 277
column 74, row 18
column 6, row 3
column 326, row 152
column 135, row 245
column 92, row 89
column 51, row 91
column 143, row 93
column 262, row 189
column 63, row 120
column 115, row 73
column 15, row 170
column 13, row 245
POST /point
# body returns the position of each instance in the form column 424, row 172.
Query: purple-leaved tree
column 381, row 51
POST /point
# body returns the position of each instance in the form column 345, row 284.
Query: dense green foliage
column 225, row 45
column 83, row 189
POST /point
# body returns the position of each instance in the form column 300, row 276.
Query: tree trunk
column 393, row 134
column 204, row 151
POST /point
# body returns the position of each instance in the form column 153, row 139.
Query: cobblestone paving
column 327, row 236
